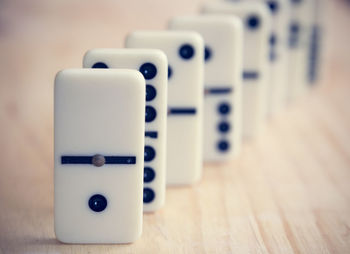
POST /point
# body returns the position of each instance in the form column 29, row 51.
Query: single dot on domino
column 148, row 195
column 253, row 22
column 224, row 127
column 207, row 53
column 186, row 51
column 170, row 71
column 294, row 27
column 223, row 145
column 151, row 92
column 148, row 174
column 97, row 203
column 100, row 65
column 150, row 114
column 273, row 5
column 224, row 108
column 273, row 39
column 149, row 153
column 148, row 70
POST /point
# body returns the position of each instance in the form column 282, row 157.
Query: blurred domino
column 99, row 140
column 300, row 29
column 315, row 46
column 278, row 54
column 185, row 52
column 255, row 18
column 153, row 64
column 223, row 81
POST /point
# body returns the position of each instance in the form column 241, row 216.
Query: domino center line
column 67, row 159
column 250, row 75
column 182, row 111
column 151, row 134
column 218, row 90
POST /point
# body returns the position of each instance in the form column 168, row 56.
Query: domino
column 185, row 52
column 256, row 35
column 280, row 16
column 299, row 43
column 98, row 158
column 153, row 64
column 315, row 46
column 278, row 54
column 223, row 81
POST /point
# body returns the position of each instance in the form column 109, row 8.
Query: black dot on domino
column 224, row 127
column 97, row 203
column 186, row 51
column 253, row 22
column 148, row 195
column 100, row 65
column 273, row 5
column 148, row 174
column 207, row 53
column 151, row 92
column 149, row 153
column 150, row 114
column 223, row 146
column 170, row 71
column 273, row 40
column 148, row 70
column 224, row 108
column 294, row 28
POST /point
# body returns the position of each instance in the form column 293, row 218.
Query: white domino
column 278, row 54
column 256, row 25
column 185, row 52
column 300, row 29
column 280, row 14
column 223, row 81
column 99, row 141
column 153, row 64
column 315, row 46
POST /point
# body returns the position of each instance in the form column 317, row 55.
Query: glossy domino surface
column 153, row 65
column 256, row 25
column 185, row 52
column 99, row 140
column 223, row 81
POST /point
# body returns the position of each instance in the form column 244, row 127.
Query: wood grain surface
column 288, row 192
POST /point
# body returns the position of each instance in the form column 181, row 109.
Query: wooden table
column 288, row 192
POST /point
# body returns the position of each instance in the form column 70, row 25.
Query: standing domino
column 299, row 42
column 278, row 54
column 185, row 52
column 223, row 81
column 315, row 45
column 153, row 64
column 255, row 59
column 99, row 140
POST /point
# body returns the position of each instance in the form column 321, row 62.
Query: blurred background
column 38, row 38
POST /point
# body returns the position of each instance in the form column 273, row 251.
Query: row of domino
column 208, row 80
